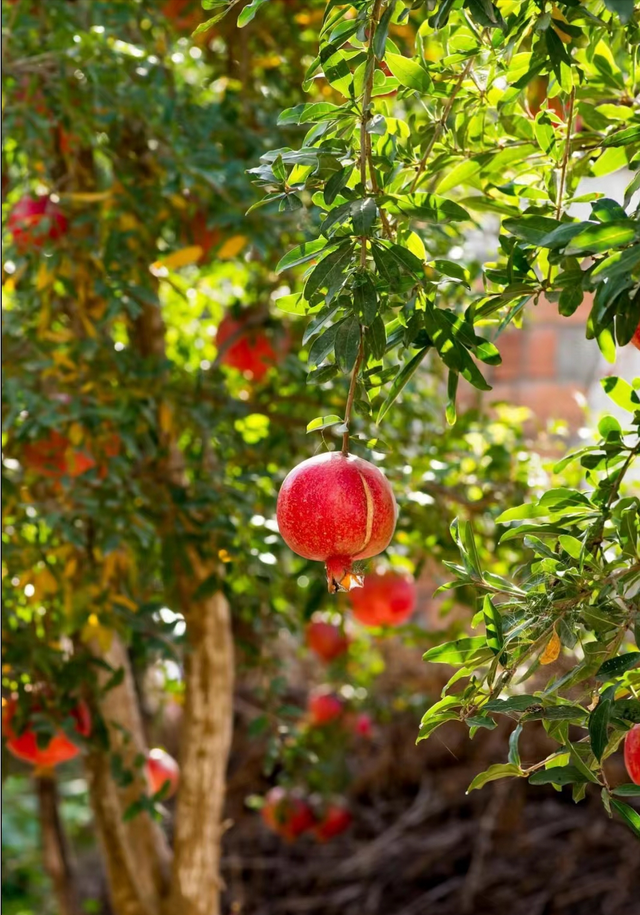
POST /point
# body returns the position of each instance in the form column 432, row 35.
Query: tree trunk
column 136, row 852
column 54, row 847
column 205, row 745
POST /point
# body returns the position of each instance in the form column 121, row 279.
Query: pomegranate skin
column 636, row 338
column 386, row 599
column 326, row 641
column 286, row 814
column 60, row 749
column 53, row 457
column 632, row 754
column 324, row 708
column 26, row 218
column 336, row 820
column 363, row 726
column 161, row 768
column 336, row 508
column 246, row 347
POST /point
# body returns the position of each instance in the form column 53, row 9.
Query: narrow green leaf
column 408, row 72
column 399, row 382
column 348, row 343
column 458, row 652
column 500, row 770
column 323, row 422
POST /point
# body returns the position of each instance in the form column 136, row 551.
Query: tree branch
column 54, row 846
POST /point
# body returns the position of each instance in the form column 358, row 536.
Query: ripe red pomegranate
column 59, row 749
column 326, row 640
column 386, row 599
column 33, row 220
column 636, row 337
column 323, row 708
column 246, row 347
column 363, row 726
column 336, row 508
column 632, row 753
column 54, row 457
column 162, row 768
column 336, row 820
column 287, row 814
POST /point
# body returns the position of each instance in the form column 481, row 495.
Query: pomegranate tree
column 326, row 640
column 632, row 753
column 287, row 814
column 25, row 745
column 162, row 769
column 336, row 508
column 35, row 220
column 386, row 599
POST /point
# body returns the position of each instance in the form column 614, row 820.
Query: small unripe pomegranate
column 636, row 337
column 363, row 726
column 386, row 599
column 59, row 749
column 336, row 508
column 287, row 814
column 632, row 753
column 327, row 641
column 33, row 220
column 323, row 708
column 160, row 769
column 336, row 820
column 246, row 347
column 54, row 457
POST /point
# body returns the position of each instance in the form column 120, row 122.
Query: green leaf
column 599, row 727
column 514, row 752
column 323, row 422
column 408, row 72
column 399, row 382
column 452, row 390
column 326, row 313
column 617, row 666
column 365, row 299
column 628, row 814
column 603, row 237
column 557, row 775
column 493, row 625
column 335, row 184
column 293, row 304
column 249, row 12
column 328, row 270
column 621, row 393
column 377, row 338
column 627, row 790
column 326, row 373
column 493, row 773
column 382, row 30
column 532, row 229
column 303, row 253
column 363, row 214
column 323, row 345
column 459, row 175
column 348, row 343
column 458, row 652
column 512, row 704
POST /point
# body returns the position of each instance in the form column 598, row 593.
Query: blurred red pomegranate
column 34, row 220
column 336, row 820
column 636, row 337
column 326, row 640
column 336, row 508
column 386, row 599
column 59, row 748
column 363, row 725
column 162, row 768
column 323, row 708
column 246, row 347
column 287, row 814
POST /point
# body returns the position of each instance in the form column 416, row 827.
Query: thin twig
column 352, row 394
column 440, row 125
column 565, row 158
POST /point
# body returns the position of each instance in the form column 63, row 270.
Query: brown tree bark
column 55, row 855
column 136, row 853
column 205, row 745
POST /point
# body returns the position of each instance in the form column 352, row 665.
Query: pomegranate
column 59, row 749
column 336, row 820
column 636, row 337
column 327, row 641
column 54, row 457
column 336, row 508
column 536, row 96
column 363, row 725
column 33, row 220
column 246, row 347
column 287, row 814
column 632, row 753
column 323, row 708
column 386, row 599
column 162, row 769
column 202, row 235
